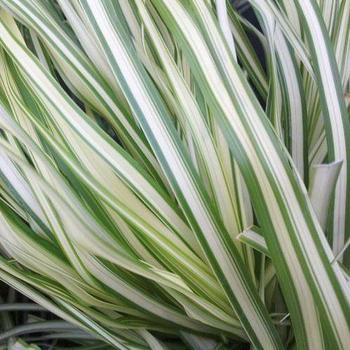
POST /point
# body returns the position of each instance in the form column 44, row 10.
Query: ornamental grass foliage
column 162, row 188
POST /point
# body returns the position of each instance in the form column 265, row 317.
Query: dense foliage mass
column 163, row 185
